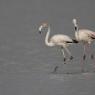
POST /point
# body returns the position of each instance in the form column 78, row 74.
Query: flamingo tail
column 93, row 35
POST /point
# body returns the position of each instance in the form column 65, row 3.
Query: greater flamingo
column 84, row 36
column 57, row 40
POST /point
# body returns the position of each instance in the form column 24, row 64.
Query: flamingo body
column 61, row 39
column 57, row 40
column 85, row 35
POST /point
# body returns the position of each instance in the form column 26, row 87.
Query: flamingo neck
column 76, row 28
column 47, row 38
column 76, row 31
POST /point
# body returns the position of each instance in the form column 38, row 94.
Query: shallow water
column 26, row 64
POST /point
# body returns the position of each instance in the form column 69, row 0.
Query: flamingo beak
column 75, row 28
column 40, row 32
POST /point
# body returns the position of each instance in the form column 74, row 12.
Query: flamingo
column 60, row 40
column 84, row 36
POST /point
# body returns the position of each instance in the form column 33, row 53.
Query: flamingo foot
column 65, row 60
column 84, row 57
column 55, row 69
column 92, row 56
column 71, row 57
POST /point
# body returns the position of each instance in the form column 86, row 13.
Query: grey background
column 26, row 63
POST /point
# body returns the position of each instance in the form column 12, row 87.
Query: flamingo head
column 74, row 21
column 43, row 26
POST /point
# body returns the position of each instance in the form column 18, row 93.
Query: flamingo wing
column 61, row 39
column 92, row 35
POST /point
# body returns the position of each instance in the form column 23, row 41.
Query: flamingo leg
column 69, row 53
column 84, row 53
column 62, row 49
column 56, row 67
column 85, row 49
column 90, row 52
column 92, row 56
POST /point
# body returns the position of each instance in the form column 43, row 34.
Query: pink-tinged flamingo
column 85, row 37
column 57, row 40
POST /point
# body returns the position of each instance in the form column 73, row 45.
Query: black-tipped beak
column 75, row 27
column 40, row 29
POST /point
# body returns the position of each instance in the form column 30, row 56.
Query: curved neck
column 47, row 38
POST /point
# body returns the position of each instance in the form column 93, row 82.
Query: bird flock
column 84, row 36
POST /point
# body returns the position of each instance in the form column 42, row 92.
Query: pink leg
column 84, row 56
column 87, row 50
column 91, row 55
column 90, row 52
